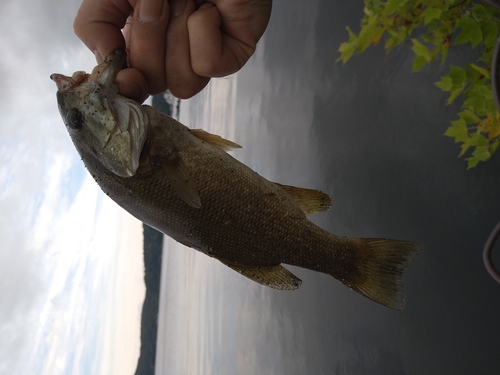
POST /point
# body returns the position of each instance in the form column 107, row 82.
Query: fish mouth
column 65, row 83
column 103, row 74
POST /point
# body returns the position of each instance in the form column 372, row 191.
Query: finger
column 132, row 84
column 222, row 39
column 213, row 53
column 146, row 41
column 98, row 24
column 181, row 80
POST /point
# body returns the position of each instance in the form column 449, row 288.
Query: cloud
column 61, row 260
column 50, row 267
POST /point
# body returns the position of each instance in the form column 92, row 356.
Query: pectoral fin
column 310, row 201
column 214, row 140
column 181, row 182
column 277, row 277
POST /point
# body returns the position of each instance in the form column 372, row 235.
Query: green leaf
column 454, row 94
column 479, row 140
column 445, row 84
column 480, row 97
column 391, row 43
column 431, row 14
column 463, row 149
column 457, row 75
column 483, row 71
column 395, row 38
column 494, row 146
column 471, row 163
column 479, row 154
column 459, row 79
column 490, row 32
column 392, row 5
column 348, row 48
column 479, row 12
column 469, row 116
column 444, row 52
column 365, row 38
column 421, row 50
column 423, row 55
column 458, row 130
column 471, row 32
column 418, row 63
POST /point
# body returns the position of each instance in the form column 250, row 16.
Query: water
column 370, row 134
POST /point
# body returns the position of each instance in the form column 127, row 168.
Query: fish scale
column 183, row 182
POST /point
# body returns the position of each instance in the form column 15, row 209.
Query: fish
column 184, row 183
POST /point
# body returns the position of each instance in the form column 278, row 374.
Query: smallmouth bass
column 183, row 182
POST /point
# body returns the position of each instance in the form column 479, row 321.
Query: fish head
column 99, row 120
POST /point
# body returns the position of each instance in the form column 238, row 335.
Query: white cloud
column 60, row 236
column 78, row 316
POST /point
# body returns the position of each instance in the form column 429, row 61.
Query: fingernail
column 177, row 7
column 150, row 10
column 98, row 57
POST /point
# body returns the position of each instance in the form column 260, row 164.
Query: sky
column 71, row 269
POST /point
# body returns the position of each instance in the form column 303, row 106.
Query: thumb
column 98, row 24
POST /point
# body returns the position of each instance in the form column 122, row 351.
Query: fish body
column 182, row 182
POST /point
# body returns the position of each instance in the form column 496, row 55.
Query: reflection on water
column 369, row 134
column 214, row 321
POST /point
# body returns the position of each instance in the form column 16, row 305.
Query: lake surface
column 371, row 135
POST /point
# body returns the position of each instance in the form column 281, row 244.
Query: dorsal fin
column 277, row 277
column 310, row 201
column 214, row 140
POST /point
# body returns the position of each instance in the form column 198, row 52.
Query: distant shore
column 153, row 245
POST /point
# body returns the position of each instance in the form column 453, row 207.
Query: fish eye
column 74, row 119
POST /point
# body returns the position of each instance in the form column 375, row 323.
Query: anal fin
column 277, row 277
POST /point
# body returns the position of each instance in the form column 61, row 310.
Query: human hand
column 177, row 44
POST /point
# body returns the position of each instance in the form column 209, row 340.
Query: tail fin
column 383, row 268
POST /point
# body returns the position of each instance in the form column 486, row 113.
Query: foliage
column 433, row 27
